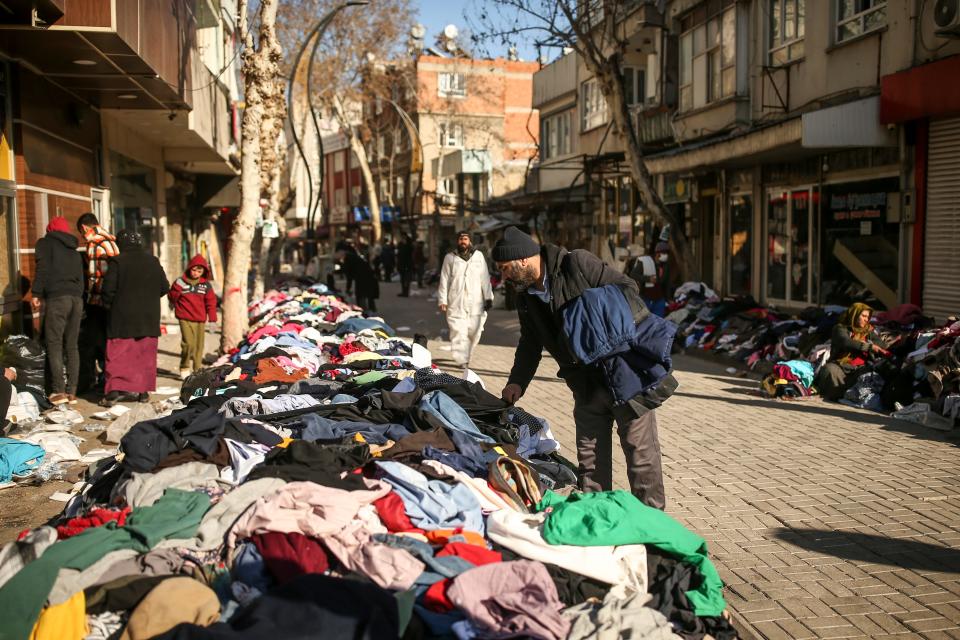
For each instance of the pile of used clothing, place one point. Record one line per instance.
(326, 479)
(917, 380)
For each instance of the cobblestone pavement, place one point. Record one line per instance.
(824, 521)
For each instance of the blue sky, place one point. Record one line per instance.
(436, 14)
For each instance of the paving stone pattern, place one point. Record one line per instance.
(824, 521)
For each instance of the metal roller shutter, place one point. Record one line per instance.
(941, 272)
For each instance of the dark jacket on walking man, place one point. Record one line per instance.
(132, 289)
(546, 278)
(194, 303)
(405, 265)
(58, 286)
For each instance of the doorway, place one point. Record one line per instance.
(789, 231)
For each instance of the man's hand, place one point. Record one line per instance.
(10, 374)
(443, 308)
(35, 303)
(487, 305)
(511, 393)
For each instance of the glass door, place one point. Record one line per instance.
(740, 245)
(789, 223)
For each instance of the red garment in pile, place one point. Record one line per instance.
(288, 555)
(268, 370)
(393, 515)
(95, 518)
(269, 330)
(291, 327)
(435, 598)
(347, 348)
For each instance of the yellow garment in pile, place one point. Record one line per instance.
(64, 621)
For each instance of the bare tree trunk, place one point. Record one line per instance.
(356, 145)
(610, 77)
(258, 71)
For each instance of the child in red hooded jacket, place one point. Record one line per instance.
(194, 302)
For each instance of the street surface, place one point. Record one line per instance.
(824, 521)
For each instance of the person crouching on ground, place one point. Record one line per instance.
(853, 341)
(132, 289)
(194, 303)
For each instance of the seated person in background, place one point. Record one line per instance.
(853, 341)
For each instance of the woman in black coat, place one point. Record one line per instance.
(360, 271)
(132, 289)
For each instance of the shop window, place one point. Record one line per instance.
(451, 85)
(787, 18)
(857, 17)
(593, 106)
(708, 54)
(789, 247)
(741, 244)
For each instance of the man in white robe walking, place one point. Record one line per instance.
(465, 296)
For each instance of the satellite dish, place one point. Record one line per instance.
(450, 31)
(418, 31)
(451, 46)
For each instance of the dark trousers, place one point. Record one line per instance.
(594, 414)
(6, 392)
(93, 346)
(406, 277)
(420, 269)
(368, 303)
(61, 331)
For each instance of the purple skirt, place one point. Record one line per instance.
(131, 365)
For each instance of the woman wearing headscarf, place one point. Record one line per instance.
(852, 342)
(132, 290)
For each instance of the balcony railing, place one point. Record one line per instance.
(653, 127)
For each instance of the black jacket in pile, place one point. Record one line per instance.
(59, 267)
(569, 273)
(132, 289)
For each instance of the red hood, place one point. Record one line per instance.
(195, 261)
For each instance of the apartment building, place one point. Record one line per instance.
(469, 140)
(125, 108)
(761, 121)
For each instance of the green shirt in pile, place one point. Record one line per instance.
(618, 517)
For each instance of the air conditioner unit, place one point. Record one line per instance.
(946, 16)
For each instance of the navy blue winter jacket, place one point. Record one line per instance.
(634, 357)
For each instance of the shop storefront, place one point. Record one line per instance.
(134, 199)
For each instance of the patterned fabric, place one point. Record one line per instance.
(101, 246)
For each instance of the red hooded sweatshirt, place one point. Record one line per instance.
(194, 302)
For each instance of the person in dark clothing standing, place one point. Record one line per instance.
(546, 278)
(132, 289)
(388, 259)
(58, 286)
(101, 247)
(364, 278)
(419, 261)
(405, 265)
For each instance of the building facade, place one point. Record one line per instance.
(99, 118)
(761, 122)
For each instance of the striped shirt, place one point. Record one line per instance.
(101, 246)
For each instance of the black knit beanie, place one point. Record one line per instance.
(514, 245)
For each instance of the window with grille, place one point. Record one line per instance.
(451, 85)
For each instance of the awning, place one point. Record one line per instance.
(853, 124)
(927, 91)
(227, 196)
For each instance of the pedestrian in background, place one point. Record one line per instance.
(388, 257)
(101, 247)
(58, 287)
(419, 262)
(359, 271)
(194, 303)
(546, 279)
(132, 289)
(465, 295)
(405, 265)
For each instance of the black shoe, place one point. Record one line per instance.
(110, 399)
(143, 397)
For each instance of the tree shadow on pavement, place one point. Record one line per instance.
(862, 547)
